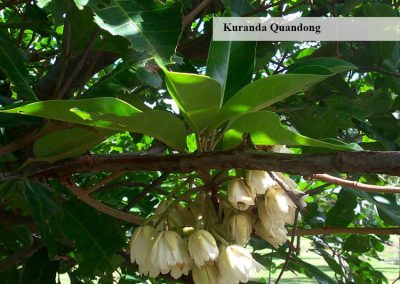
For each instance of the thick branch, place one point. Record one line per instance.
(17, 257)
(372, 162)
(356, 185)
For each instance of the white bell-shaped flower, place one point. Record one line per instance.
(260, 181)
(202, 247)
(206, 274)
(141, 242)
(278, 203)
(236, 264)
(276, 235)
(169, 254)
(240, 228)
(240, 195)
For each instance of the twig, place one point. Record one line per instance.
(80, 65)
(187, 19)
(85, 197)
(367, 69)
(355, 184)
(291, 247)
(287, 190)
(103, 182)
(66, 54)
(145, 191)
(87, 75)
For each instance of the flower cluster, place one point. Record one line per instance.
(189, 235)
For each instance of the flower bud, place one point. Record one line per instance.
(202, 247)
(236, 264)
(207, 274)
(240, 228)
(169, 254)
(240, 195)
(176, 215)
(260, 181)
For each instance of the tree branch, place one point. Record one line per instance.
(187, 19)
(85, 197)
(372, 162)
(356, 185)
(357, 231)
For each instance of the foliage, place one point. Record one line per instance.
(81, 78)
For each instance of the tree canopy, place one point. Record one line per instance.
(123, 120)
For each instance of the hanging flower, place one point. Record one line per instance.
(202, 247)
(169, 254)
(276, 234)
(141, 241)
(240, 228)
(236, 264)
(240, 195)
(260, 181)
(207, 274)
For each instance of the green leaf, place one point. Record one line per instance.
(263, 93)
(45, 211)
(198, 97)
(97, 238)
(53, 146)
(342, 213)
(227, 65)
(334, 65)
(358, 244)
(81, 3)
(39, 269)
(14, 68)
(150, 25)
(9, 275)
(330, 260)
(265, 128)
(387, 205)
(111, 113)
(318, 275)
(43, 3)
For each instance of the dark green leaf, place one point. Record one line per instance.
(231, 63)
(342, 213)
(13, 66)
(46, 212)
(97, 238)
(150, 26)
(334, 65)
(357, 243)
(39, 269)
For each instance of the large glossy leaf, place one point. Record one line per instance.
(97, 238)
(111, 113)
(45, 211)
(263, 93)
(39, 269)
(231, 63)
(150, 26)
(198, 97)
(334, 65)
(13, 66)
(53, 146)
(265, 128)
